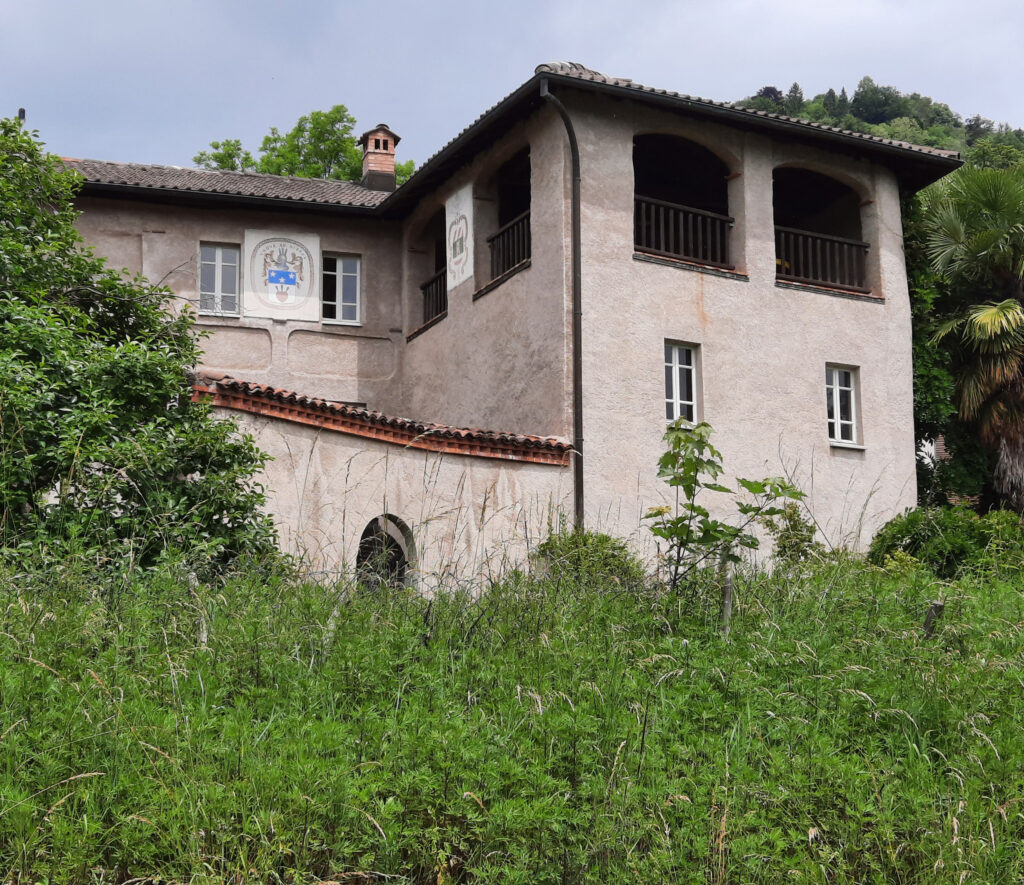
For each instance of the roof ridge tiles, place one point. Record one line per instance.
(210, 382)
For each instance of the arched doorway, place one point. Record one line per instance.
(385, 553)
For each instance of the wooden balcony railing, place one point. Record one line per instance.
(510, 245)
(675, 231)
(804, 257)
(435, 295)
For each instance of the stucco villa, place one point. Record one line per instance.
(446, 370)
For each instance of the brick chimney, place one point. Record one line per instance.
(378, 146)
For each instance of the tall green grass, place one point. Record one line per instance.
(270, 730)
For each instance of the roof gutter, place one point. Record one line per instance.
(577, 308)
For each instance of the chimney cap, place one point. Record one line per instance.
(381, 128)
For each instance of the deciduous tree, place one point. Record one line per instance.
(101, 447)
(321, 144)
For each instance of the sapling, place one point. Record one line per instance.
(692, 465)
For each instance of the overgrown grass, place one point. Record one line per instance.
(267, 730)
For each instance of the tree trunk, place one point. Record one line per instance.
(1008, 477)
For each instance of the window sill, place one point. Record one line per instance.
(828, 290)
(341, 323)
(206, 315)
(839, 444)
(497, 281)
(427, 325)
(684, 264)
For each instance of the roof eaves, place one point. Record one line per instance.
(930, 163)
(191, 195)
(477, 129)
(948, 160)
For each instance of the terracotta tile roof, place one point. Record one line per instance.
(275, 402)
(922, 165)
(223, 183)
(576, 71)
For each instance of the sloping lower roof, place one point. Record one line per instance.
(286, 405)
(221, 183)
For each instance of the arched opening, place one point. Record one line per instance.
(510, 190)
(385, 553)
(432, 266)
(681, 200)
(818, 231)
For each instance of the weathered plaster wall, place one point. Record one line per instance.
(763, 348)
(338, 362)
(469, 516)
(500, 361)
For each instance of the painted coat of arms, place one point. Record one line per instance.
(281, 276)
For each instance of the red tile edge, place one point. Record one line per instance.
(271, 402)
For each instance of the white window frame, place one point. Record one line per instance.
(218, 292)
(844, 426)
(681, 359)
(339, 274)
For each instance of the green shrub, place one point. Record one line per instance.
(792, 533)
(103, 454)
(949, 540)
(592, 558)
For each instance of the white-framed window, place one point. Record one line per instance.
(841, 395)
(340, 288)
(218, 279)
(682, 381)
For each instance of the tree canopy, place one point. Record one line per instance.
(101, 447)
(885, 111)
(321, 144)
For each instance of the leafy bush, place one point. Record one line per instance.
(102, 451)
(949, 540)
(793, 534)
(592, 558)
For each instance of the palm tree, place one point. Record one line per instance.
(975, 229)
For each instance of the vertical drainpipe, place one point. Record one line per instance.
(577, 309)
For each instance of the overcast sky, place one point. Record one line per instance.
(155, 82)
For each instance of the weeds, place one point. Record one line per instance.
(550, 730)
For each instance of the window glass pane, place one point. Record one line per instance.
(349, 289)
(831, 429)
(229, 280)
(846, 379)
(207, 277)
(229, 304)
(669, 391)
(208, 253)
(688, 413)
(349, 313)
(686, 384)
(330, 263)
(829, 372)
(229, 254)
(845, 406)
(668, 353)
(846, 432)
(685, 356)
(330, 310)
(206, 303)
(330, 288)
(669, 411)
(350, 265)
